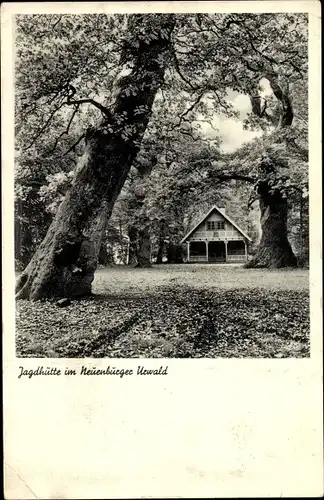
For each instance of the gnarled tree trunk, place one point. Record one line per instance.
(66, 260)
(274, 250)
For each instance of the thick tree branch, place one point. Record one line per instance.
(261, 111)
(178, 70)
(256, 105)
(74, 145)
(189, 134)
(102, 108)
(191, 108)
(56, 23)
(287, 114)
(206, 121)
(69, 102)
(218, 99)
(224, 177)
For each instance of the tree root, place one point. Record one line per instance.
(272, 258)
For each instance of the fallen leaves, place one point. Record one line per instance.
(170, 320)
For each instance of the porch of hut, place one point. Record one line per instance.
(217, 251)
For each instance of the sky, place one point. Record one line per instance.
(230, 130)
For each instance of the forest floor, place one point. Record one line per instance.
(181, 311)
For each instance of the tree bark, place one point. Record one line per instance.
(65, 262)
(132, 253)
(162, 236)
(274, 250)
(138, 229)
(139, 247)
(159, 256)
(106, 256)
(144, 248)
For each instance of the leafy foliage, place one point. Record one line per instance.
(66, 70)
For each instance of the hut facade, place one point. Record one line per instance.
(216, 238)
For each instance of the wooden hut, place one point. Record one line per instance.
(216, 238)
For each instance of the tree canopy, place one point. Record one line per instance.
(70, 69)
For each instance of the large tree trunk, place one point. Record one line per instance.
(66, 260)
(139, 247)
(144, 248)
(163, 232)
(274, 250)
(132, 252)
(106, 255)
(138, 230)
(159, 256)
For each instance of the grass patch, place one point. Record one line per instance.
(182, 311)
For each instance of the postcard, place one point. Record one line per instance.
(162, 250)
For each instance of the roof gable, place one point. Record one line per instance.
(225, 217)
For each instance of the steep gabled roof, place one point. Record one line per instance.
(223, 215)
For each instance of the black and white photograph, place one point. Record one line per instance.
(161, 249)
(161, 185)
